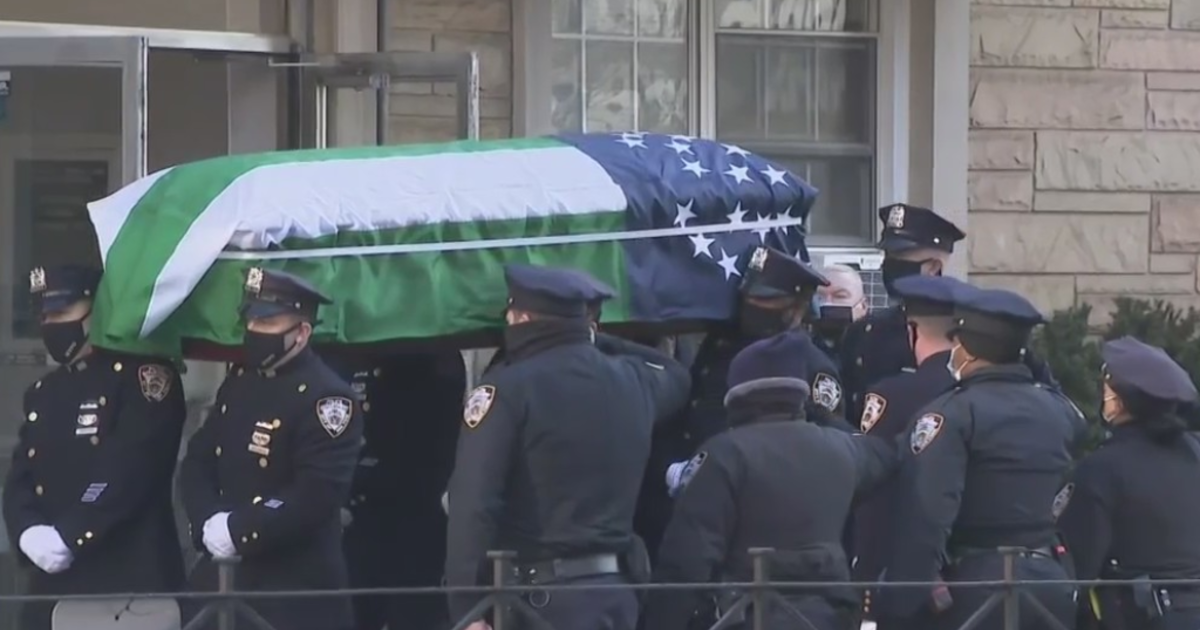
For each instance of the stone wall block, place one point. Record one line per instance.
(489, 16)
(1125, 4)
(1058, 99)
(1034, 37)
(1048, 293)
(1129, 49)
(1120, 161)
(1185, 15)
(1173, 263)
(1025, 3)
(1001, 150)
(1053, 201)
(1058, 243)
(1000, 190)
(1119, 18)
(1173, 111)
(1175, 223)
(1182, 81)
(1146, 284)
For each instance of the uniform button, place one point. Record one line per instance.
(87, 535)
(378, 372)
(245, 539)
(262, 462)
(32, 416)
(224, 408)
(254, 535)
(687, 436)
(241, 371)
(32, 452)
(95, 440)
(303, 388)
(37, 385)
(79, 542)
(117, 367)
(218, 451)
(366, 406)
(103, 401)
(362, 498)
(858, 361)
(868, 328)
(39, 490)
(256, 500)
(276, 423)
(695, 403)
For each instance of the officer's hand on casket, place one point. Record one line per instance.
(217, 539)
(45, 548)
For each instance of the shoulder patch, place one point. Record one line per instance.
(826, 391)
(692, 467)
(334, 413)
(1061, 500)
(479, 403)
(155, 381)
(873, 408)
(925, 431)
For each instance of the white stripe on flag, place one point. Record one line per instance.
(110, 213)
(314, 199)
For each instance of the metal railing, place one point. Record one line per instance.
(502, 599)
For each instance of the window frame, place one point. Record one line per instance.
(533, 38)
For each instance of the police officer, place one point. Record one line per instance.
(837, 306)
(553, 445)
(775, 295)
(889, 405)
(266, 475)
(773, 480)
(987, 459)
(1131, 509)
(914, 241)
(88, 497)
(395, 533)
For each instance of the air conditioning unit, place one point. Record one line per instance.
(866, 261)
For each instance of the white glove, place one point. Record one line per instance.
(43, 545)
(674, 474)
(216, 536)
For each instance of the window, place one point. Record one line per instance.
(794, 80)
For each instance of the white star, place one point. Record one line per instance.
(683, 213)
(737, 215)
(694, 167)
(733, 149)
(680, 147)
(632, 140)
(702, 244)
(738, 173)
(776, 176)
(729, 264)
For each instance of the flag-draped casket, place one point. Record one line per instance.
(410, 241)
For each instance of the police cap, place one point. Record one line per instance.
(57, 288)
(781, 359)
(995, 313)
(1130, 365)
(270, 293)
(555, 292)
(772, 274)
(908, 227)
(934, 296)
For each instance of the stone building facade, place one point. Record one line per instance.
(1085, 149)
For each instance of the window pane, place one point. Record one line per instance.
(850, 16)
(845, 206)
(609, 81)
(662, 88)
(566, 107)
(800, 89)
(608, 17)
(662, 18)
(568, 17)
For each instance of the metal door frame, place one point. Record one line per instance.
(377, 71)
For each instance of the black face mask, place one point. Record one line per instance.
(760, 322)
(264, 350)
(894, 269)
(64, 340)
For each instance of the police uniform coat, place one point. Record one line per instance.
(553, 445)
(278, 451)
(987, 461)
(94, 459)
(889, 408)
(776, 481)
(874, 347)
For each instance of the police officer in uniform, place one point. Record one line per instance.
(1131, 508)
(837, 306)
(889, 405)
(266, 475)
(773, 480)
(986, 462)
(776, 294)
(87, 500)
(553, 445)
(914, 241)
(395, 533)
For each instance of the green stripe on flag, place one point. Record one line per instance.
(151, 234)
